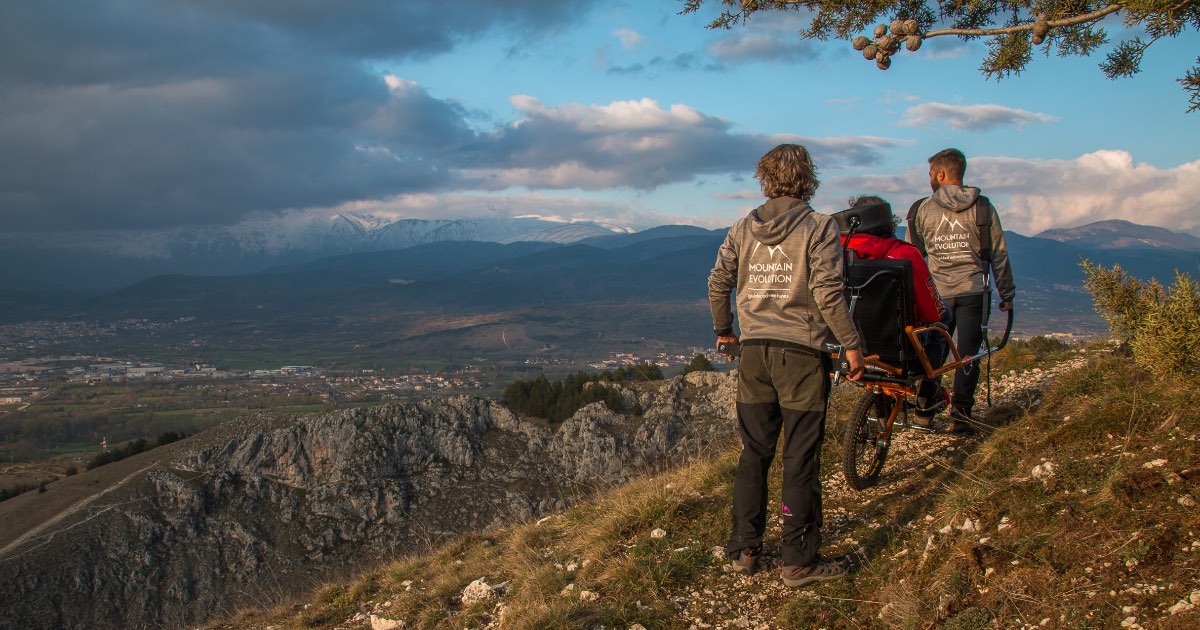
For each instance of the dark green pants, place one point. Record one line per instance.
(780, 389)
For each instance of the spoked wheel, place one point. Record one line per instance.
(863, 450)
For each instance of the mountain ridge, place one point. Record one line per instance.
(1120, 234)
(266, 505)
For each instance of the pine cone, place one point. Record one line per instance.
(884, 64)
(869, 52)
(913, 43)
(897, 27)
(860, 42)
(880, 30)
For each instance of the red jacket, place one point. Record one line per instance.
(929, 306)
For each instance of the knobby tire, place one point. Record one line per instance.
(862, 455)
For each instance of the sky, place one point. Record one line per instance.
(137, 114)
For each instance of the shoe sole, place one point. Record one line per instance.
(794, 583)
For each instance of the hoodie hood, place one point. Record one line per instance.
(773, 221)
(955, 197)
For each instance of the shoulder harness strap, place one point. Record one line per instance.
(983, 221)
(915, 237)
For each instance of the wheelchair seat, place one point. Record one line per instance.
(880, 295)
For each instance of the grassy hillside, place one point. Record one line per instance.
(1077, 511)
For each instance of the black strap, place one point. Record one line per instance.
(983, 221)
(915, 234)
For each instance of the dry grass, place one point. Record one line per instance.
(1103, 538)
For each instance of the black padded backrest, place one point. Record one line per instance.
(881, 294)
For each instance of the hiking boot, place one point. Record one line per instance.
(746, 561)
(923, 421)
(931, 399)
(962, 423)
(820, 570)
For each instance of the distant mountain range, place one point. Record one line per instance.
(1118, 235)
(91, 261)
(656, 277)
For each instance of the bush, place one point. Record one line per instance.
(132, 448)
(1161, 326)
(556, 401)
(1122, 300)
(1168, 341)
(699, 363)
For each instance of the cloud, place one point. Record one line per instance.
(970, 117)
(483, 204)
(1036, 195)
(637, 144)
(775, 47)
(1106, 184)
(157, 114)
(149, 113)
(629, 38)
(677, 63)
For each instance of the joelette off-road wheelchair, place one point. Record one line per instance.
(880, 296)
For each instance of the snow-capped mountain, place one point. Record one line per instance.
(106, 259)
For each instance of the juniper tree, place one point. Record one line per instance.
(1013, 29)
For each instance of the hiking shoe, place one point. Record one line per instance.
(962, 422)
(931, 398)
(746, 561)
(820, 570)
(923, 421)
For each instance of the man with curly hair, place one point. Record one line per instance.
(783, 263)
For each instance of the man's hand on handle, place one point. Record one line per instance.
(855, 359)
(726, 339)
(1005, 305)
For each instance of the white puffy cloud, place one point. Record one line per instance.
(1106, 184)
(970, 117)
(1034, 195)
(629, 38)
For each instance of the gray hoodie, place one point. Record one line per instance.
(786, 263)
(946, 221)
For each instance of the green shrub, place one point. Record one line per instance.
(699, 363)
(1121, 299)
(1168, 341)
(1161, 326)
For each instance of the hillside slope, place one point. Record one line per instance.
(1078, 510)
(265, 507)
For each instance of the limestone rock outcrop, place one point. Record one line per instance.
(267, 507)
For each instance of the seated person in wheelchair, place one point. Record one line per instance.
(875, 239)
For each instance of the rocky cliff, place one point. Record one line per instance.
(266, 507)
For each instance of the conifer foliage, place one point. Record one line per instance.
(699, 363)
(1013, 29)
(556, 401)
(1161, 325)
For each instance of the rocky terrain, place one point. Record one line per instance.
(268, 507)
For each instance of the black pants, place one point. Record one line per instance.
(786, 390)
(967, 312)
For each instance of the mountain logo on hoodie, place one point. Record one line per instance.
(953, 223)
(771, 251)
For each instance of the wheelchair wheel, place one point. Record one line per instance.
(863, 453)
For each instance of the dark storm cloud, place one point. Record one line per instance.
(157, 113)
(385, 28)
(160, 112)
